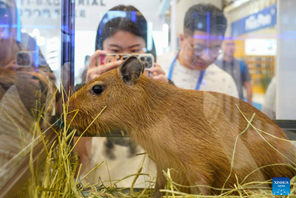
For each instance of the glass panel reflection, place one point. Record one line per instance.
(29, 75)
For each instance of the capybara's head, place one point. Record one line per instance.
(113, 94)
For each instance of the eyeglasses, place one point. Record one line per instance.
(199, 49)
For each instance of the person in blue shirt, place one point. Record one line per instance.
(237, 69)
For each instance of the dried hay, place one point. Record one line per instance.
(57, 178)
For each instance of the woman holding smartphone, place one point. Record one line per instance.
(122, 30)
(122, 35)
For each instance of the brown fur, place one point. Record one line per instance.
(192, 132)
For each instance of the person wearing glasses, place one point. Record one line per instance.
(193, 66)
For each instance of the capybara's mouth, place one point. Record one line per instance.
(75, 126)
(72, 121)
(79, 122)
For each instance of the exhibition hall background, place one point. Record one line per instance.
(264, 30)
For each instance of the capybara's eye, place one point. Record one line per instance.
(98, 89)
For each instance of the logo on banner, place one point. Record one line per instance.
(262, 19)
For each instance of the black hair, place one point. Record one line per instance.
(206, 18)
(126, 18)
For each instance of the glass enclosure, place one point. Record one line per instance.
(30, 59)
(47, 46)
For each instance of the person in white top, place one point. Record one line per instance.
(269, 104)
(193, 66)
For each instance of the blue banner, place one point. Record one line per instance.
(260, 20)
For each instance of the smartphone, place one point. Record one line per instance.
(26, 58)
(29, 59)
(146, 59)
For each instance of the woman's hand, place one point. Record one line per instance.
(158, 73)
(96, 68)
(11, 66)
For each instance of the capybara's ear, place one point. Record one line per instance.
(131, 69)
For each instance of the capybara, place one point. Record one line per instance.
(203, 137)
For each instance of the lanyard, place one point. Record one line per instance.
(201, 75)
